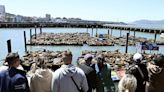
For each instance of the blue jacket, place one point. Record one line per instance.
(13, 80)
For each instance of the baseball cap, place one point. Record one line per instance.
(87, 56)
(137, 57)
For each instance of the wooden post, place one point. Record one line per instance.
(9, 45)
(108, 33)
(96, 32)
(120, 33)
(35, 31)
(134, 35)
(40, 29)
(155, 36)
(92, 31)
(87, 28)
(111, 31)
(25, 41)
(127, 38)
(30, 36)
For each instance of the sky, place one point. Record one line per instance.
(103, 10)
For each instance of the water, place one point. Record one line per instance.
(17, 41)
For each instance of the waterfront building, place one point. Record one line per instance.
(2, 13)
(18, 18)
(10, 17)
(48, 17)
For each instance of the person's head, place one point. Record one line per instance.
(12, 59)
(137, 57)
(88, 58)
(67, 57)
(42, 63)
(100, 60)
(128, 83)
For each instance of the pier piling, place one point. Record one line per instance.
(35, 32)
(96, 32)
(40, 29)
(87, 28)
(25, 41)
(155, 36)
(9, 45)
(30, 36)
(134, 35)
(111, 32)
(127, 38)
(108, 33)
(92, 31)
(120, 33)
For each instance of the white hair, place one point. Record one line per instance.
(128, 83)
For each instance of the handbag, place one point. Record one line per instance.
(80, 90)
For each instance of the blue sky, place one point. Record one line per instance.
(105, 10)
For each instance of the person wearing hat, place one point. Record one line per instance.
(69, 78)
(103, 75)
(139, 70)
(13, 79)
(156, 73)
(89, 72)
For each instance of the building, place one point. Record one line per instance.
(48, 17)
(2, 13)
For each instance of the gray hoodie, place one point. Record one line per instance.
(62, 82)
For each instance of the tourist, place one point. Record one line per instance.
(41, 79)
(139, 71)
(156, 73)
(69, 78)
(103, 74)
(13, 79)
(128, 83)
(89, 72)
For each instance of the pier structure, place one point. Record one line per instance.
(93, 25)
(134, 28)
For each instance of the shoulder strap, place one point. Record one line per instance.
(140, 71)
(75, 83)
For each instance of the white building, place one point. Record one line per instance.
(2, 13)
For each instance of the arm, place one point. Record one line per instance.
(54, 83)
(32, 84)
(84, 85)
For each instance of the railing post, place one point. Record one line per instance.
(9, 45)
(25, 41)
(127, 38)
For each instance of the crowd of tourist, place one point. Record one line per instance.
(141, 75)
